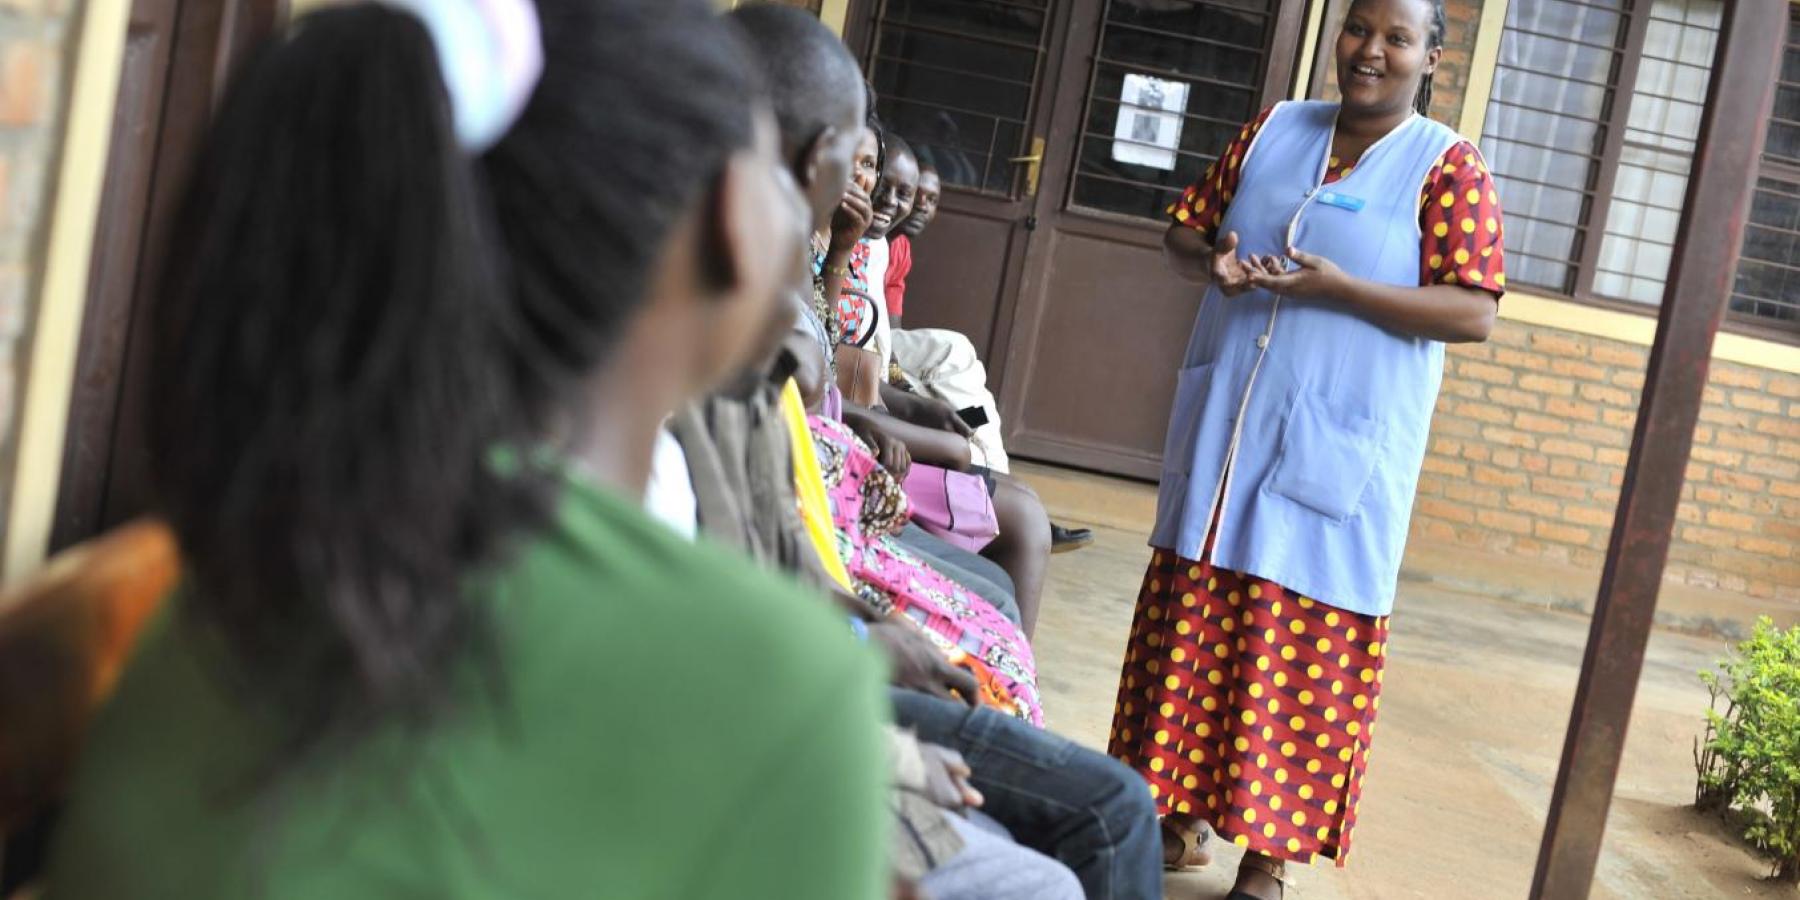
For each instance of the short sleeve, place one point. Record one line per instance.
(1463, 229)
(1202, 205)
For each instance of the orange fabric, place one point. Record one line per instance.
(65, 635)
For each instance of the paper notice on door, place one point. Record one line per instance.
(1149, 127)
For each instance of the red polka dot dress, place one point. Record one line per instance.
(1241, 702)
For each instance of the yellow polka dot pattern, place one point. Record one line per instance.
(1258, 713)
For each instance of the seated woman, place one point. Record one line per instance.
(927, 428)
(407, 378)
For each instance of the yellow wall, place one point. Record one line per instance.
(50, 367)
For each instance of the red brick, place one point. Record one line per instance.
(1575, 368)
(1557, 343)
(1537, 506)
(1484, 412)
(1736, 376)
(1464, 492)
(1471, 351)
(1708, 537)
(1794, 410)
(1563, 534)
(1540, 424)
(1536, 463)
(1589, 515)
(1691, 514)
(1460, 387)
(1703, 434)
(1717, 457)
(1738, 440)
(1736, 521)
(1619, 355)
(1572, 409)
(1779, 426)
(1520, 359)
(1506, 458)
(1785, 489)
(1631, 380)
(1571, 449)
(1543, 384)
(1784, 386)
(1499, 477)
(1515, 399)
(1714, 414)
(1454, 427)
(1732, 478)
(1712, 396)
(1557, 487)
(1696, 471)
(1766, 548)
(1508, 437)
(1444, 510)
(1476, 452)
(1432, 530)
(1508, 334)
(1503, 521)
(1441, 466)
(1481, 371)
(1784, 469)
(1600, 435)
(1611, 396)
(1446, 446)
(1749, 400)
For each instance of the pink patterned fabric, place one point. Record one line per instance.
(869, 509)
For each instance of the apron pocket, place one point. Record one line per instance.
(1327, 458)
(1191, 387)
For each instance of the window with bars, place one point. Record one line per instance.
(1591, 132)
(958, 78)
(1204, 62)
(1768, 277)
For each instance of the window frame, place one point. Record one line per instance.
(1615, 119)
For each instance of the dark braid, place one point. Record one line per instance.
(1433, 41)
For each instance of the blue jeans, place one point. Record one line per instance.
(971, 570)
(1081, 807)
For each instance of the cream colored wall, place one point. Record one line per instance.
(49, 370)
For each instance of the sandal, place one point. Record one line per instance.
(1267, 865)
(1193, 841)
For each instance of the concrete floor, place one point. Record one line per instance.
(1476, 701)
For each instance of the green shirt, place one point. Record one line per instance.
(677, 724)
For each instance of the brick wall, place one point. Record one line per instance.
(1529, 447)
(36, 45)
(1462, 19)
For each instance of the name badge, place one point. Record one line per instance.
(1341, 201)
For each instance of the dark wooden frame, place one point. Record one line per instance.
(156, 131)
(1752, 39)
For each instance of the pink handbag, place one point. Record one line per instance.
(954, 506)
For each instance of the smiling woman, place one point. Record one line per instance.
(1253, 675)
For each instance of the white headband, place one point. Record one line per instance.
(491, 53)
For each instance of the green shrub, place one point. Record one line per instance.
(1749, 757)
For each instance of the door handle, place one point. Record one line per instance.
(1034, 165)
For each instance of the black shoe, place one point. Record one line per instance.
(1062, 540)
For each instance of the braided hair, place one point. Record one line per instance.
(1434, 40)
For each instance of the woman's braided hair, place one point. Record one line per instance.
(1433, 40)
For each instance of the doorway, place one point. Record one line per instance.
(1062, 130)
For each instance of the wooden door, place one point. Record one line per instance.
(1063, 286)
(965, 82)
(177, 56)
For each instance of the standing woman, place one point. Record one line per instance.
(1344, 244)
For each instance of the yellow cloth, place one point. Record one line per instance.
(809, 486)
